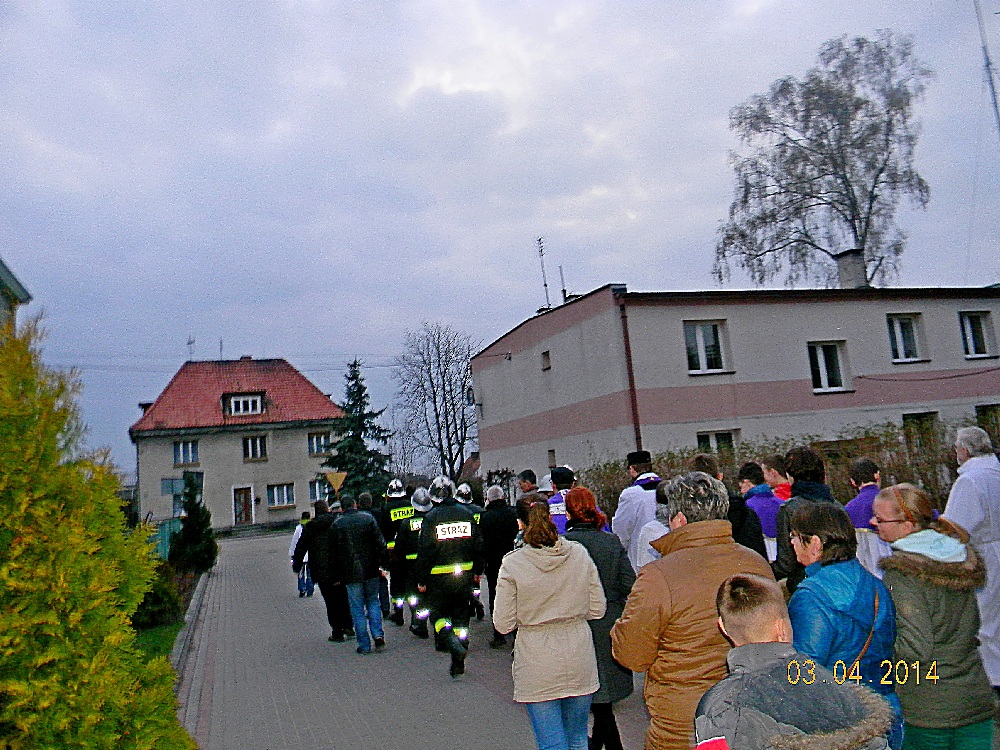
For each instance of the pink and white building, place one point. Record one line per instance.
(612, 371)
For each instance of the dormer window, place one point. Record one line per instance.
(242, 404)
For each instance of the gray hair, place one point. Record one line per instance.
(698, 496)
(975, 440)
(495, 492)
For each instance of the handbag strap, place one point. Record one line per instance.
(871, 634)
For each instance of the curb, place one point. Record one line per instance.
(182, 644)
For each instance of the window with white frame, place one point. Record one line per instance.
(977, 334)
(280, 495)
(904, 337)
(185, 452)
(717, 442)
(319, 489)
(826, 366)
(255, 448)
(246, 403)
(703, 340)
(174, 487)
(319, 443)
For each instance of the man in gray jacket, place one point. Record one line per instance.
(773, 691)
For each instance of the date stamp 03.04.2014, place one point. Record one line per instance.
(892, 673)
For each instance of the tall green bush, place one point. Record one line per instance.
(70, 578)
(194, 547)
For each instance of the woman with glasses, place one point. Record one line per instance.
(842, 616)
(933, 574)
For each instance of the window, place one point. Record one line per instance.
(319, 443)
(280, 495)
(255, 448)
(977, 334)
(546, 361)
(319, 489)
(703, 340)
(552, 458)
(185, 452)
(825, 366)
(175, 487)
(988, 417)
(903, 337)
(717, 442)
(243, 404)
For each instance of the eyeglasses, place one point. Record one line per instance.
(881, 521)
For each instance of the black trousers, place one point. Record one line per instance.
(449, 604)
(605, 727)
(492, 574)
(338, 612)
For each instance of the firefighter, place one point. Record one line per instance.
(449, 563)
(397, 509)
(464, 495)
(407, 541)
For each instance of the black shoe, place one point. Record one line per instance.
(379, 644)
(360, 650)
(301, 594)
(397, 617)
(336, 638)
(457, 665)
(498, 643)
(480, 612)
(420, 631)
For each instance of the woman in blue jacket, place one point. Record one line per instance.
(841, 614)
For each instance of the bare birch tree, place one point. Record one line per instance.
(433, 379)
(830, 157)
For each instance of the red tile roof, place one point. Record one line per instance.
(194, 397)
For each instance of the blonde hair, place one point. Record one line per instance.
(918, 508)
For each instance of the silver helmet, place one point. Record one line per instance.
(464, 493)
(396, 489)
(421, 500)
(442, 488)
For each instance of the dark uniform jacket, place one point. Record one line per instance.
(499, 526)
(358, 549)
(394, 512)
(451, 548)
(408, 537)
(317, 540)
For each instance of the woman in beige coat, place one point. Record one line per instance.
(548, 590)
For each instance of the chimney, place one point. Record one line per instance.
(851, 271)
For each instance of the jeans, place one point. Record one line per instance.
(366, 611)
(560, 724)
(305, 580)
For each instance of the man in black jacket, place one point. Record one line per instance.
(317, 540)
(358, 553)
(499, 526)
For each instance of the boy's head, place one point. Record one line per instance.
(752, 610)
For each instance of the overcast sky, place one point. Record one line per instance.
(309, 179)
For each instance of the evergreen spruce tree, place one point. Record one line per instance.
(194, 547)
(360, 435)
(70, 578)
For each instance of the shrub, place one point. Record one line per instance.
(70, 579)
(162, 604)
(194, 547)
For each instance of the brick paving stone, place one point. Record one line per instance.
(260, 675)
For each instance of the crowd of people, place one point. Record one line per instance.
(771, 617)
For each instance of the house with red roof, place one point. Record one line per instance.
(252, 432)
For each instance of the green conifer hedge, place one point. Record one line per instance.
(70, 578)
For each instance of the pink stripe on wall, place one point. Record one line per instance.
(593, 415)
(696, 403)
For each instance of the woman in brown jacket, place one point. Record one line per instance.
(548, 589)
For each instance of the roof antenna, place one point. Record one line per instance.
(545, 283)
(562, 280)
(220, 348)
(191, 347)
(988, 64)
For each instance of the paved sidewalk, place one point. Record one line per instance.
(260, 675)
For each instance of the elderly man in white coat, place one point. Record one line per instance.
(636, 504)
(974, 504)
